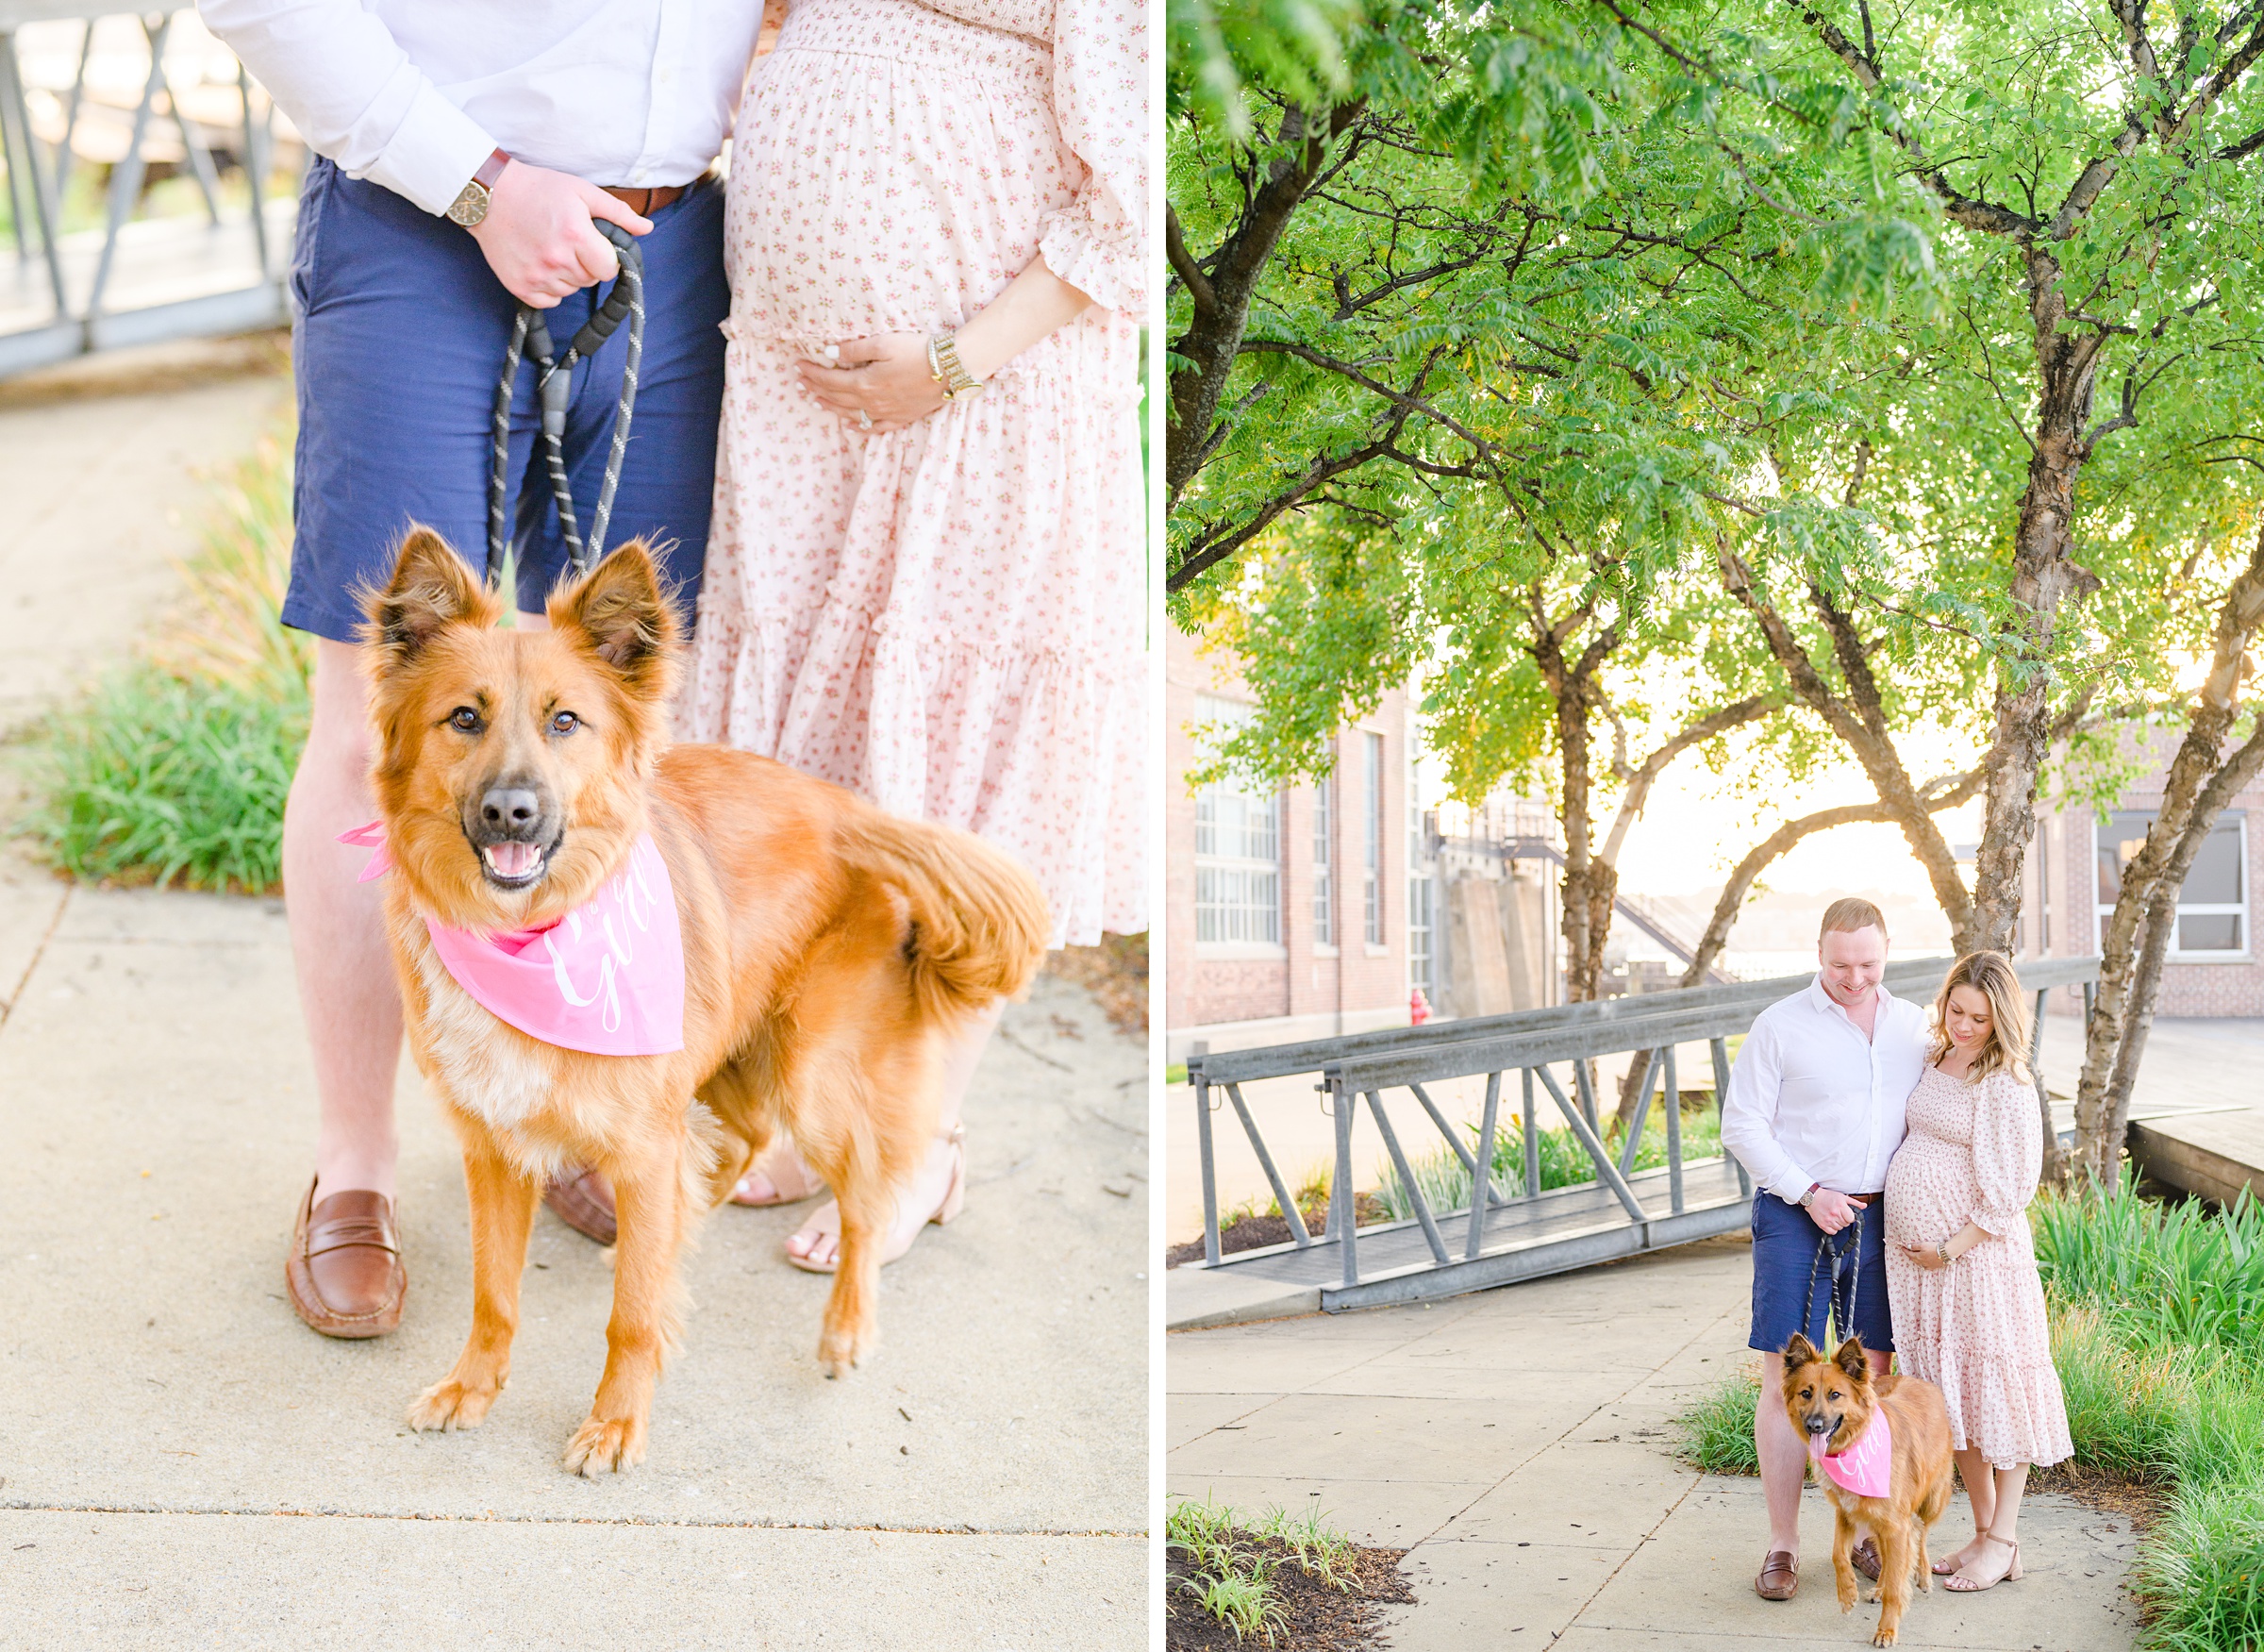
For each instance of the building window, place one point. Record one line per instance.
(1237, 848)
(1325, 860)
(1419, 933)
(2212, 909)
(1372, 866)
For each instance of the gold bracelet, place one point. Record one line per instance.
(944, 367)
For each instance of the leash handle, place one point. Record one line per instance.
(553, 383)
(1839, 1253)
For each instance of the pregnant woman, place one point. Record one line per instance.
(924, 579)
(1969, 1307)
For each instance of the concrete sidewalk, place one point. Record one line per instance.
(1517, 1443)
(182, 1463)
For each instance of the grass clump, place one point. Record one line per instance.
(157, 778)
(1716, 1434)
(1279, 1580)
(174, 768)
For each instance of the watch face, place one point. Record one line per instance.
(471, 208)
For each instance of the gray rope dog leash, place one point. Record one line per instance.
(1852, 1251)
(530, 338)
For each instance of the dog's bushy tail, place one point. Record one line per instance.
(979, 921)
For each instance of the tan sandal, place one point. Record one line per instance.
(791, 1179)
(955, 1200)
(1959, 1583)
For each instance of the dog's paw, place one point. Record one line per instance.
(1847, 1597)
(603, 1443)
(840, 1350)
(1884, 1638)
(1873, 1593)
(452, 1403)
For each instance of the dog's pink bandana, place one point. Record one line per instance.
(1865, 1467)
(608, 978)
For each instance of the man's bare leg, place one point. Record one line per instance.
(1784, 1458)
(347, 997)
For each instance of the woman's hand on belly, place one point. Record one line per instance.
(880, 384)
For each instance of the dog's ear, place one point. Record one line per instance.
(1798, 1352)
(1853, 1360)
(621, 611)
(431, 590)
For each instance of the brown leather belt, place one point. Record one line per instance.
(644, 203)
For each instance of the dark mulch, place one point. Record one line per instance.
(1256, 1232)
(1115, 971)
(2136, 1501)
(1316, 1618)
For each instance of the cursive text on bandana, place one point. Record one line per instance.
(1867, 1466)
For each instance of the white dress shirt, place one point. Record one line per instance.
(1812, 1100)
(414, 94)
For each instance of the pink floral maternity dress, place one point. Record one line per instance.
(1975, 1328)
(949, 620)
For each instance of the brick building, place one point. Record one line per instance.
(1294, 912)
(2075, 868)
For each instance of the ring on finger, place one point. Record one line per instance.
(864, 419)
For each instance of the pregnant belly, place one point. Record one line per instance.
(1930, 1190)
(862, 201)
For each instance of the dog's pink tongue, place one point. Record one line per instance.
(513, 860)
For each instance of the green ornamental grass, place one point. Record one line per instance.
(174, 768)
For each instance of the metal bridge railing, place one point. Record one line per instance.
(130, 103)
(1520, 1231)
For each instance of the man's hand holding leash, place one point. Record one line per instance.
(538, 237)
(1832, 1211)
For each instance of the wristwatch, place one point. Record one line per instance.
(470, 208)
(1808, 1198)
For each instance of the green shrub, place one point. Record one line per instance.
(152, 777)
(2201, 1571)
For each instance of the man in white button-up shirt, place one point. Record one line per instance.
(1814, 1111)
(464, 151)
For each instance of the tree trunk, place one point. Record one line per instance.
(2129, 935)
(2103, 1165)
(2043, 576)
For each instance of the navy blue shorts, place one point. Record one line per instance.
(400, 335)
(1784, 1253)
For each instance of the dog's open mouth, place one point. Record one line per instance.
(514, 865)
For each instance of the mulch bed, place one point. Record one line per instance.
(2136, 1501)
(1257, 1232)
(1115, 971)
(1316, 1618)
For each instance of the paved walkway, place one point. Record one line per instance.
(182, 1463)
(1517, 1441)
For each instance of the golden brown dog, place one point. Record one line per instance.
(1834, 1400)
(829, 950)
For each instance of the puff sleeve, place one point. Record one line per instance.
(2009, 1152)
(1098, 243)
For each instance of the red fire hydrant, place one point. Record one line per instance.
(1419, 1007)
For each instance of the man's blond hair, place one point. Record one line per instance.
(1850, 912)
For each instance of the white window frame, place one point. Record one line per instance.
(1325, 861)
(1422, 903)
(1237, 926)
(2101, 912)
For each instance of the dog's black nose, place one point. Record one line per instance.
(510, 809)
(1820, 1425)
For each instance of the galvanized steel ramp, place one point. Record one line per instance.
(1522, 1230)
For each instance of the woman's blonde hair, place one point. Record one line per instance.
(1990, 975)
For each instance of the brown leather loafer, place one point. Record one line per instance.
(1780, 1576)
(581, 1199)
(1866, 1560)
(344, 1271)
